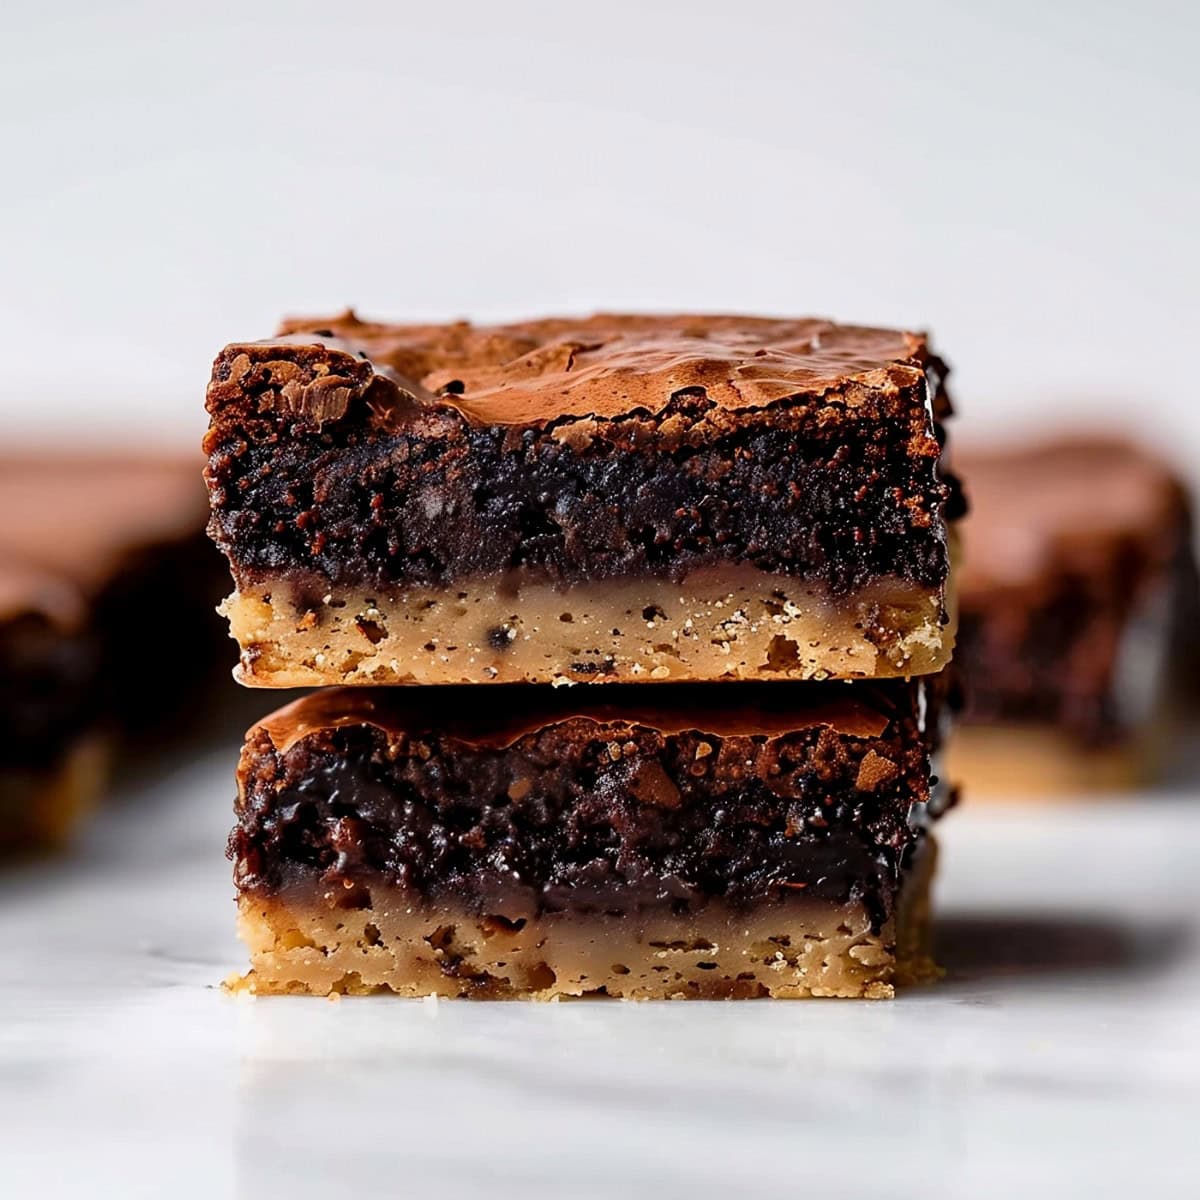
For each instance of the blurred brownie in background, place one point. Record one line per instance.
(128, 532)
(1078, 617)
(52, 754)
(101, 556)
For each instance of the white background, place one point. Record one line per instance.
(1023, 178)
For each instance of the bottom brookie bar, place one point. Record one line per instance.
(541, 843)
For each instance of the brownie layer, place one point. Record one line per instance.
(529, 801)
(1077, 598)
(357, 455)
(790, 948)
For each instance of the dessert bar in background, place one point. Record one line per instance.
(617, 498)
(1079, 617)
(694, 840)
(52, 752)
(107, 630)
(127, 531)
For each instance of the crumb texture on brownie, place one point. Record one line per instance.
(520, 806)
(391, 457)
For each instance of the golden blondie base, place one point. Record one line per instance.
(792, 949)
(716, 625)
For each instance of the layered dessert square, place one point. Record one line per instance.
(126, 533)
(1079, 617)
(689, 841)
(52, 754)
(107, 629)
(616, 498)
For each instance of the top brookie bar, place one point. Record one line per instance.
(617, 498)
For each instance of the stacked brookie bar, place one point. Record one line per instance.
(747, 513)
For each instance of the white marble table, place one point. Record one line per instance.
(1061, 1057)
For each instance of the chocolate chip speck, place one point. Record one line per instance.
(500, 637)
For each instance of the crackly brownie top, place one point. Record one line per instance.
(608, 364)
(561, 801)
(535, 372)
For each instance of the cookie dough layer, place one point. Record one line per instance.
(796, 948)
(716, 625)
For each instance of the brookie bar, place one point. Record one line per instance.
(617, 498)
(1079, 616)
(693, 841)
(125, 532)
(101, 557)
(52, 756)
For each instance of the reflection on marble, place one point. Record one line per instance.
(1060, 1056)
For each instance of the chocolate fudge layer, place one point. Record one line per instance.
(126, 532)
(1078, 603)
(538, 842)
(616, 498)
(51, 758)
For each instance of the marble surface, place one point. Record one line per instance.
(1060, 1056)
